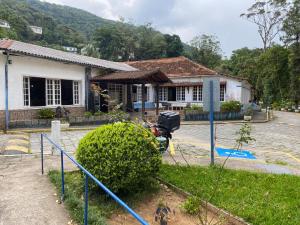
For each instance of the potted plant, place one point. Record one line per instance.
(248, 114)
(62, 114)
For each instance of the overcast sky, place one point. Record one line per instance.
(186, 18)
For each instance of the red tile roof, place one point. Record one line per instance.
(174, 67)
(57, 55)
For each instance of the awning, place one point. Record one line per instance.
(135, 77)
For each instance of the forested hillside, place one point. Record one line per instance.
(68, 26)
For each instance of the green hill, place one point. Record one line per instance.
(68, 26)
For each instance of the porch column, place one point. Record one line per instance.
(157, 99)
(124, 97)
(143, 101)
(129, 97)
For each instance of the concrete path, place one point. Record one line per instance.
(26, 196)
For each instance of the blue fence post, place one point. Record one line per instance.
(211, 120)
(42, 153)
(86, 194)
(62, 176)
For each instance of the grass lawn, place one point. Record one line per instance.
(259, 198)
(101, 206)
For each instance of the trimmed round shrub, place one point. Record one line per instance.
(120, 155)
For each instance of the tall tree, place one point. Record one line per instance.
(291, 27)
(206, 50)
(268, 15)
(174, 46)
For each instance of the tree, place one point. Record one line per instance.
(151, 44)
(291, 27)
(110, 43)
(90, 50)
(268, 15)
(206, 50)
(174, 46)
(273, 74)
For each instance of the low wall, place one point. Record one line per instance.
(202, 116)
(29, 117)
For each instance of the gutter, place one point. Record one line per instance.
(6, 93)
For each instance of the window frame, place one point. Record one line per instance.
(222, 92)
(198, 93)
(76, 92)
(180, 94)
(28, 91)
(163, 94)
(54, 93)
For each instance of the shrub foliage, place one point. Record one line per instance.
(121, 155)
(231, 106)
(46, 113)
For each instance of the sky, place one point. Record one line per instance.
(187, 18)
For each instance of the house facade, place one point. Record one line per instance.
(186, 83)
(33, 77)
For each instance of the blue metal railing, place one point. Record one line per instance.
(87, 176)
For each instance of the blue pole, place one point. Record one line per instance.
(6, 93)
(86, 194)
(42, 153)
(102, 186)
(211, 120)
(62, 176)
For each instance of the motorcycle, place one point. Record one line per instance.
(167, 123)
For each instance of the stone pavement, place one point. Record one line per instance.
(26, 196)
(277, 142)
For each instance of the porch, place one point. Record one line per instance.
(136, 91)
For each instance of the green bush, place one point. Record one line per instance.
(88, 114)
(46, 114)
(121, 155)
(98, 113)
(231, 106)
(194, 108)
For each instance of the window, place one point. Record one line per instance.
(37, 91)
(180, 93)
(53, 90)
(115, 91)
(26, 89)
(222, 92)
(50, 92)
(139, 93)
(163, 94)
(75, 92)
(197, 93)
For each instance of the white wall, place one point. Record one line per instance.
(235, 90)
(2, 80)
(34, 67)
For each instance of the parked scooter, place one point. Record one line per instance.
(166, 124)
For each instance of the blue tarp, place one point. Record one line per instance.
(148, 105)
(235, 153)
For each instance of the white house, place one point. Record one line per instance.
(70, 49)
(36, 29)
(185, 87)
(4, 24)
(34, 77)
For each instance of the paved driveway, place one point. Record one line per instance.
(277, 142)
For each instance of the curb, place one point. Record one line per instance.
(48, 130)
(222, 122)
(232, 219)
